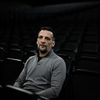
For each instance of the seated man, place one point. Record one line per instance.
(45, 72)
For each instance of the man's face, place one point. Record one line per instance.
(45, 41)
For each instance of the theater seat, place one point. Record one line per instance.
(10, 92)
(10, 70)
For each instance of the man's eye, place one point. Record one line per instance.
(40, 37)
(47, 38)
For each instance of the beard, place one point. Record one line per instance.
(43, 50)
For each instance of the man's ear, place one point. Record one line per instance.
(36, 42)
(53, 43)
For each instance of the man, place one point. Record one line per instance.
(45, 72)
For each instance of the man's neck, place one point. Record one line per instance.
(43, 55)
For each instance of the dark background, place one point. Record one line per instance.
(77, 30)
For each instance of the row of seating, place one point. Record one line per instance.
(77, 40)
(11, 92)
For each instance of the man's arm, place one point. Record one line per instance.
(23, 74)
(57, 80)
(21, 78)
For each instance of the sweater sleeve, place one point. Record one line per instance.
(57, 80)
(22, 76)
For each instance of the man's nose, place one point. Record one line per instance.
(43, 40)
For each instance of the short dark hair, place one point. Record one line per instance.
(48, 28)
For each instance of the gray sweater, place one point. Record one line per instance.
(45, 77)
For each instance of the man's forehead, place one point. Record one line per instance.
(46, 32)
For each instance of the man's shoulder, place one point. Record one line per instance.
(31, 57)
(58, 58)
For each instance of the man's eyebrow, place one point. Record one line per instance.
(40, 36)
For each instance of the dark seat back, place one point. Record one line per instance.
(10, 70)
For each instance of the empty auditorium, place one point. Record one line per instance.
(77, 40)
